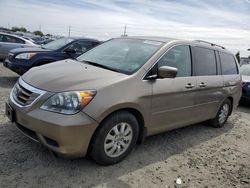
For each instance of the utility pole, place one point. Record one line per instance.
(69, 29)
(125, 30)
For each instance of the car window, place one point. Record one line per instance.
(125, 55)
(245, 70)
(228, 64)
(180, 58)
(80, 46)
(56, 44)
(205, 62)
(11, 39)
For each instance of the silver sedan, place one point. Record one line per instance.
(9, 42)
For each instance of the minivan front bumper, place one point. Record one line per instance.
(67, 135)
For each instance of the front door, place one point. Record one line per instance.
(173, 98)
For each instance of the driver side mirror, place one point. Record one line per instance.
(167, 72)
(70, 51)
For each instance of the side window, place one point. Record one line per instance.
(205, 62)
(95, 44)
(1, 38)
(80, 46)
(12, 39)
(228, 64)
(19, 40)
(180, 58)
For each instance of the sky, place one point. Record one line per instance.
(225, 22)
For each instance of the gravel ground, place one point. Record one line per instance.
(199, 155)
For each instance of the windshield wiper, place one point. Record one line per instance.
(102, 66)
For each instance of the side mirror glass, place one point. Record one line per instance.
(167, 72)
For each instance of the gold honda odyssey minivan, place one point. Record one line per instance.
(120, 92)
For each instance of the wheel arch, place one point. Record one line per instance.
(139, 117)
(232, 103)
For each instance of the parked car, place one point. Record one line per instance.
(21, 60)
(9, 42)
(116, 94)
(245, 72)
(244, 60)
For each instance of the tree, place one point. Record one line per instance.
(14, 29)
(22, 29)
(40, 33)
(237, 55)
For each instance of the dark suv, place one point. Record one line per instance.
(23, 59)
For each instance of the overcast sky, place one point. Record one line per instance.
(226, 22)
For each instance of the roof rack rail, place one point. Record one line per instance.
(212, 44)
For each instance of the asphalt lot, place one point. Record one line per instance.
(200, 155)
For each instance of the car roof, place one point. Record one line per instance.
(81, 38)
(26, 40)
(154, 38)
(168, 40)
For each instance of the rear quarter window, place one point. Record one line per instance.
(228, 64)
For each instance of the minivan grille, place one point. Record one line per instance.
(22, 95)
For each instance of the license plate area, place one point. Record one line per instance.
(10, 113)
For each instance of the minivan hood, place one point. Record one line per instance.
(23, 50)
(69, 75)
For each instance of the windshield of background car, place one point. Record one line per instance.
(56, 44)
(245, 70)
(124, 55)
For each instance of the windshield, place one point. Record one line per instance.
(245, 70)
(56, 44)
(123, 55)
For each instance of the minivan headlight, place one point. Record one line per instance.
(25, 55)
(69, 102)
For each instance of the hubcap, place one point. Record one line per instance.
(223, 113)
(118, 139)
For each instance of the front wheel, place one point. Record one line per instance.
(222, 114)
(115, 138)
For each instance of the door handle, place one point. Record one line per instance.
(189, 86)
(202, 84)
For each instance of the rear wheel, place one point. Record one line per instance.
(222, 114)
(115, 138)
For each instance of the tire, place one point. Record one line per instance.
(222, 114)
(111, 144)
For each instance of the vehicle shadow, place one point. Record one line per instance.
(244, 107)
(22, 157)
(8, 81)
